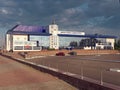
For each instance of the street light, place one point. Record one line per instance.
(81, 70)
(101, 77)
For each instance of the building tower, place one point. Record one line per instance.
(54, 39)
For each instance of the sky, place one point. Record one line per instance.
(90, 16)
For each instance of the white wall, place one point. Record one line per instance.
(71, 32)
(8, 42)
(18, 40)
(87, 48)
(111, 40)
(22, 41)
(54, 39)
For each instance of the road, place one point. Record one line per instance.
(16, 76)
(93, 66)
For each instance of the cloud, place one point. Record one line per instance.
(81, 15)
(4, 11)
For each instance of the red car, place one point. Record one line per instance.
(60, 54)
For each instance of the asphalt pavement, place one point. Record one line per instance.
(97, 67)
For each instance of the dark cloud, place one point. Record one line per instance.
(84, 15)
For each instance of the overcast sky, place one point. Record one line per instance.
(90, 16)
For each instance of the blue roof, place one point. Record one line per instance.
(22, 29)
(88, 35)
(44, 31)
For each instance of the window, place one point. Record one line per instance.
(43, 31)
(18, 47)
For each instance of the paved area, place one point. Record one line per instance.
(93, 66)
(16, 76)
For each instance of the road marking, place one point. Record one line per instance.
(95, 59)
(114, 69)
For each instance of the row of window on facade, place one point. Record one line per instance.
(27, 48)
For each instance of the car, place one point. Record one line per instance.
(60, 54)
(72, 53)
(69, 48)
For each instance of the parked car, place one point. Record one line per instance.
(72, 53)
(69, 48)
(60, 54)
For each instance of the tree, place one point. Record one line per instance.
(90, 42)
(73, 44)
(117, 44)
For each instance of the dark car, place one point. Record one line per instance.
(72, 53)
(69, 48)
(60, 54)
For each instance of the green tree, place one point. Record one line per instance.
(73, 44)
(117, 44)
(90, 42)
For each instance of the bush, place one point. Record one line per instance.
(72, 53)
(51, 49)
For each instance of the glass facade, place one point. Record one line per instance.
(41, 40)
(65, 41)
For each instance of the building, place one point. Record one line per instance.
(35, 38)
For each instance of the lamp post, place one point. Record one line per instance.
(81, 70)
(101, 77)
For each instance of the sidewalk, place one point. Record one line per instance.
(16, 76)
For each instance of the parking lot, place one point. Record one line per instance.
(105, 67)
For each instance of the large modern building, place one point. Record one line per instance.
(35, 38)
